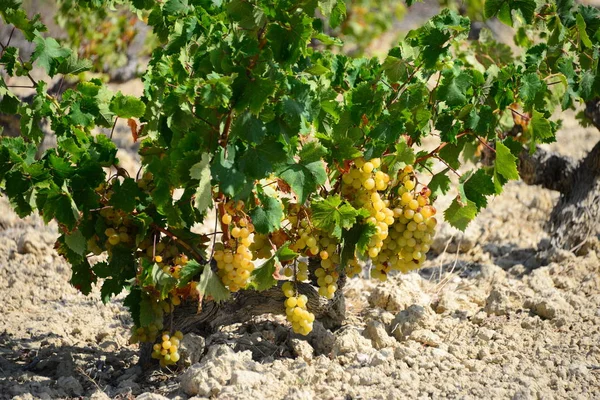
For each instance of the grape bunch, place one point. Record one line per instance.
(167, 350)
(363, 183)
(405, 247)
(234, 257)
(295, 310)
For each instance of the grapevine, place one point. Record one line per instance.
(310, 164)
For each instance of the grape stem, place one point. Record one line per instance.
(224, 226)
(178, 240)
(434, 152)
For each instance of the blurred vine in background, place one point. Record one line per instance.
(367, 20)
(108, 33)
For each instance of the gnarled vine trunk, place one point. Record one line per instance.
(574, 223)
(247, 304)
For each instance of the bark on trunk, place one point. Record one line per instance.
(248, 304)
(574, 223)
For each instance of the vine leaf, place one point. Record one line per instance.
(503, 9)
(459, 215)
(356, 239)
(162, 281)
(506, 163)
(211, 285)
(49, 54)
(477, 186)
(76, 242)
(127, 106)
(201, 172)
(262, 277)
(540, 130)
(125, 195)
(267, 217)
(332, 215)
(439, 184)
(304, 178)
(189, 270)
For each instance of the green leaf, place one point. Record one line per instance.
(133, 301)
(76, 242)
(74, 65)
(125, 195)
(267, 217)
(201, 172)
(262, 277)
(439, 184)
(189, 270)
(332, 215)
(232, 182)
(312, 151)
(356, 240)
(284, 253)
(49, 54)
(146, 311)
(531, 87)
(404, 155)
(249, 128)
(395, 69)
(211, 285)
(454, 86)
(162, 281)
(174, 7)
(503, 9)
(460, 214)
(110, 287)
(303, 178)
(60, 205)
(506, 163)
(127, 106)
(586, 85)
(583, 36)
(477, 186)
(338, 14)
(540, 130)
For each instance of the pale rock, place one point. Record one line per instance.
(128, 386)
(299, 394)
(426, 337)
(151, 396)
(376, 332)
(207, 377)
(485, 334)
(246, 378)
(500, 302)
(301, 348)
(550, 306)
(452, 240)
(191, 348)
(450, 300)
(402, 352)
(351, 341)
(492, 273)
(70, 385)
(540, 279)
(396, 296)
(38, 243)
(99, 395)
(413, 318)
(382, 357)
